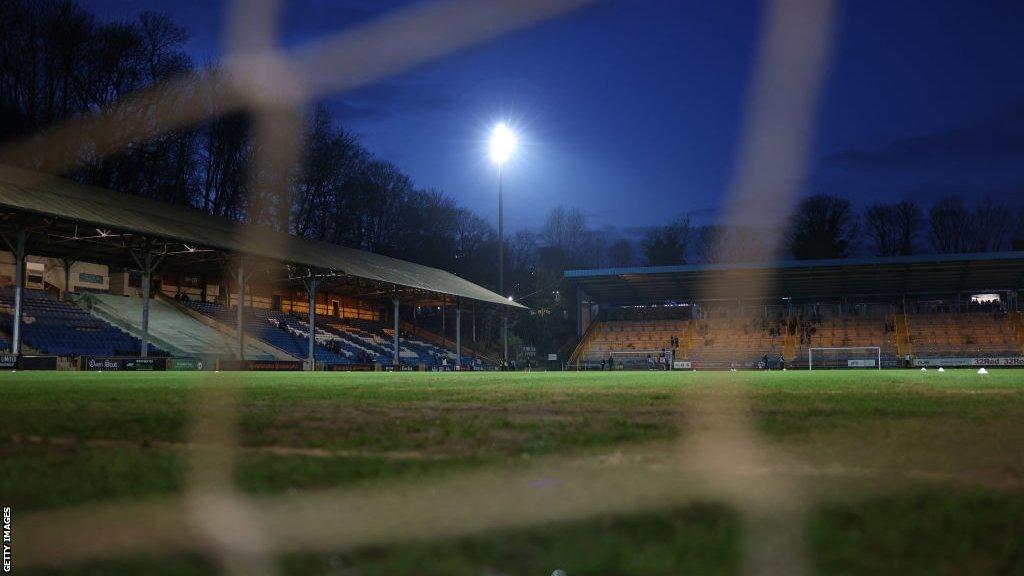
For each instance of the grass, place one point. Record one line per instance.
(925, 474)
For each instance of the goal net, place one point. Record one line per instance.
(845, 357)
(634, 359)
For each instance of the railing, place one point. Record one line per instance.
(790, 342)
(445, 343)
(1017, 323)
(585, 341)
(904, 344)
(686, 342)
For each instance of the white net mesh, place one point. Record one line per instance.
(869, 357)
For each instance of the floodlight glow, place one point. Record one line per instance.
(503, 143)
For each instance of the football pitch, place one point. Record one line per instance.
(891, 472)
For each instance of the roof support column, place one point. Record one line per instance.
(504, 337)
(579, 311)
(240, 300)
(147, 266)
(19, 289)
(311, 289)
(394, 316)
(147, 262)
(68, 263)
(458, 336)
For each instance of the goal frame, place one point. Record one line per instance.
(877, 349)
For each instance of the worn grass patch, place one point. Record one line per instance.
(909, 472)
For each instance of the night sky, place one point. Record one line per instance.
(631, 110)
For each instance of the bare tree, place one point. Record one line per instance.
(991, 226)
(880, 226)
(620, 253)
(566, 240)
(720, 244)
(823, 227)
(1017, 241)
(563, 228)
(892, 228)
(949, 226)
(666, 245)
(909, 222)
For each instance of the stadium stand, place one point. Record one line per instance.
(52, 326)
(373, 338)
(935, 307)
(172, 329)
(965, 334)
(727, 341)
(278, 330)
(141, 245)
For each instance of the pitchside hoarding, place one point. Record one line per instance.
(11, 361)
(983, 361)
(275, 365)
(352, 367)
(188, 364)
(124, 364)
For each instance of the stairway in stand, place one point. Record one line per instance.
(904, 344)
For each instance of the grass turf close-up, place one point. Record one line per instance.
(905, 472)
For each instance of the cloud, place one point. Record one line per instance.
(305, 20)
(998, 137)
(388, 100)
(971, 161)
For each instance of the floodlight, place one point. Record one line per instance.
(503, 143)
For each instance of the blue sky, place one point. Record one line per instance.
(631, 109)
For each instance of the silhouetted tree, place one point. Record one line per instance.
(620, 253)
(893, 227)
(720, 244)
(991, 226)
(949, 226)
(666, 245)
(823, 227)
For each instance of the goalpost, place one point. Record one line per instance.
(633, 359)
(845, 357)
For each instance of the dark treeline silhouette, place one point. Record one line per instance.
(57, 62)
(826, 226)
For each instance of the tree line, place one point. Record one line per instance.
(826, 226)
(57, 61)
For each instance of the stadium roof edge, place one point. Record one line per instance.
(787, 264)
(45, 195)
(930, 274)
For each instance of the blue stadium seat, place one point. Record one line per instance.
(53, 326)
